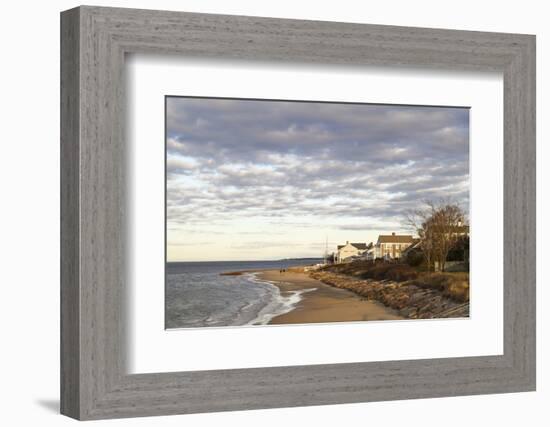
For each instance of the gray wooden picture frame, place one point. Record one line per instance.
(94, 41)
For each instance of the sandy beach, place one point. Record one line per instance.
(325, 303)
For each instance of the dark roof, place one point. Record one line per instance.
(357, 245)
(394, 238)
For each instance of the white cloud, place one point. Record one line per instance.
(235, 167)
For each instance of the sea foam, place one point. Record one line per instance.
(279, 304)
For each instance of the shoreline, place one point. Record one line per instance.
(322, 303)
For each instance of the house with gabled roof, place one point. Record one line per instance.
(349, 250)
(391, 246)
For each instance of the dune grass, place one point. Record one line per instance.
(453, 285)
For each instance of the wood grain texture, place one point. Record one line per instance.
(70, 292)
(94, 196)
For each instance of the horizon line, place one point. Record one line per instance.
(248, 260)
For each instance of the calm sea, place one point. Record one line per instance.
(197, 295)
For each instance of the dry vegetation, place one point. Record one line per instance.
(376, 271)
(414, 293)
(453, 285)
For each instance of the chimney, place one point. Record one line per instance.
(393, 233)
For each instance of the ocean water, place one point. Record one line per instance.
(198, 296)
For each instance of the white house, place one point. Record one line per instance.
(349, 250)
(390, 246)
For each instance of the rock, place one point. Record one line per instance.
(411, 301)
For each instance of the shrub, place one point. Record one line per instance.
(377, 270)
(415, 259)
(453, 285)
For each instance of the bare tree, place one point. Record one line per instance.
(439, 226)
(417, 220)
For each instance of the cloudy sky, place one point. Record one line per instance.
(268, 179)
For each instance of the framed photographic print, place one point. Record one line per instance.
(263, 213)
(255, 186)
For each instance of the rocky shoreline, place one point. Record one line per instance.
(409, 300)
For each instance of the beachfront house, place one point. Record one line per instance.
(391, 246)
(348, 251)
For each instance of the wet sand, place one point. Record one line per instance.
(325, 303)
